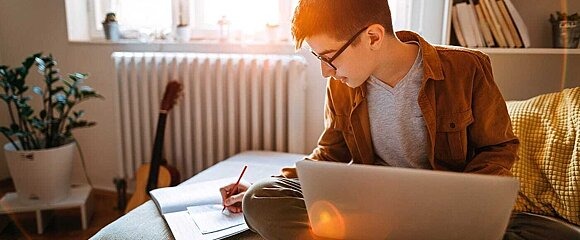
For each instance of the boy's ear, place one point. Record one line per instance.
(376, 34)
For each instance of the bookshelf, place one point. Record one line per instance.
(522, 73)
(535, 14)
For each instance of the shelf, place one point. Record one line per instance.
(529, 50)
(78, 197)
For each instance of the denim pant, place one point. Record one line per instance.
(275, 209)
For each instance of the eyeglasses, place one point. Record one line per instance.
(328, 61)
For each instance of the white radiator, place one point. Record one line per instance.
(231, 103)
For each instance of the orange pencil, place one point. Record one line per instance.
(229, 194)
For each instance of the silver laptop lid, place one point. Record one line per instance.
(377, 202)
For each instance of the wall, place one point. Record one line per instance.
(521, 76)
(34, 25)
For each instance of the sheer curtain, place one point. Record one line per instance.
(401, 13)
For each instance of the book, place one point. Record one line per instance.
(519, 22)
(504, 27)
(484, 25)
(463, 13)
(494, 24)
(475, 26)
(194, 211)
(510, 23)
(457, 27)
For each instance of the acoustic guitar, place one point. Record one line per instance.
(157, 173)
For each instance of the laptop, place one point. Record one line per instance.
(376, 202)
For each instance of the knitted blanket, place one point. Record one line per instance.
(549, 155)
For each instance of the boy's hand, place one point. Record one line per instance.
(234, 202)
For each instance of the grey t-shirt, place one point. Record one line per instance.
(398, 130)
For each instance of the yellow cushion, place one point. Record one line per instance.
(549, 155)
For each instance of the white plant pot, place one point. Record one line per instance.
(41, 176)
(183, 34)
(112, 31)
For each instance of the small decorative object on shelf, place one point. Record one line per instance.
(41, 146)
(111, 27)
(224, 29)
(182, 32)
(272, 32)
(565, 30)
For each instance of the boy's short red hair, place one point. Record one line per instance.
(339, 19)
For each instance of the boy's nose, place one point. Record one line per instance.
(326, 70)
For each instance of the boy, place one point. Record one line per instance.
(391, 99)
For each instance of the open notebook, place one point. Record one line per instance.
(194, 211)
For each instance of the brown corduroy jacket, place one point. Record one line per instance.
(467, 121)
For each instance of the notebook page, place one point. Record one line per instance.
(210, 218)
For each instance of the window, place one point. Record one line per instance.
(147, 17)
(237, 20)
(207, 19)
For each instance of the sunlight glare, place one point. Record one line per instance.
(250, 16)
(326, 220)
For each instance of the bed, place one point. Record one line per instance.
(145, 222)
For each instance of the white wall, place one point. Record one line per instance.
(37, 25)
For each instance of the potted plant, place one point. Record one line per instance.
(41, 145)
(111, 27)
(182, 31)
(565, 30)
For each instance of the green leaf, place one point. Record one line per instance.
(40, 64)
(79, 114)
(22, 90)
(15, 127)
(38, 124)
(6, 131)
(59, 106)
(67, 83)
(27, 112)
(38, 90)
(30, 60)
(5, 97)
(78, 76)
(61, 98)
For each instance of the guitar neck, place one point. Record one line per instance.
(157, 152)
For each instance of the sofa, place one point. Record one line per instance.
(548, 168)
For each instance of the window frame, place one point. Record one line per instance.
(428, 23)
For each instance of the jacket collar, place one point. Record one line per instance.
(431, 62)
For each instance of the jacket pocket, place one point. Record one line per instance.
(451, 139)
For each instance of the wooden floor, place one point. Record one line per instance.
(65, 224)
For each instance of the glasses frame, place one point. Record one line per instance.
(328, 61)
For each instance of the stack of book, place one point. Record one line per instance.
(488, 23)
